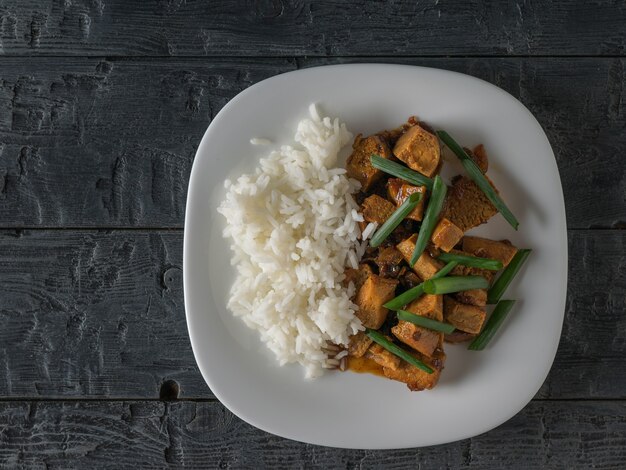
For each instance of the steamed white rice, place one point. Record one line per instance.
(293, 228)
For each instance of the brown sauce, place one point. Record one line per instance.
(364, 365)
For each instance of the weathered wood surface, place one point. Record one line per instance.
(68, 435)
(311, 27)
(100, 315)
(101, 143)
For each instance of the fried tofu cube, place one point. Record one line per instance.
(359, 165)
(479, 155)
(446, 235)
(383, 357)
(417, 379)
(359, 344)
(466, 206)
(398, 190)
(503, 250)
(374, 292)
(376, 209)
(425, 266)
(358, 276)
(458, 336)
(476, 297)
(419, 149)
(421, 339)
(468, 318)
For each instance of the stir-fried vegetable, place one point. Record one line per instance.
(408, 296)
(398, 351)
(425, 322)
(394, 220)
(447, 285)
(501, 284)
(472, 261)
(496, 319)
(430, 218)
(479, 178)
(400, 171)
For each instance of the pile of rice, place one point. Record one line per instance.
(293, 228)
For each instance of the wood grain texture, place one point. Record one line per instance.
(68, 435)
(311, 27)
(100, 143)
(96, 314)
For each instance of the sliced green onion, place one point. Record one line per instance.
(501, 284)
(447, 285)
(472, 261)
(430, 218)
(495, 321)
(400, 171)
(425, 322)
(414, 292)
(394, 219)
(479, 178)
(398, 351)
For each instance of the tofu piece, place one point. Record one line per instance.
(419, 149)
(503, 250)
(376, 209)
(479, 155)
(370, 298)
(425, 266)
(359, 344)
(359, 165)
(476, 297)
(357, 276)
(421, 339)
(417, 379)
(389, 262)
(383, 357)
(466, 206)
(468, 318)
(398, 190)
(446, 235)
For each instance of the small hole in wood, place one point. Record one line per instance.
(169, 390)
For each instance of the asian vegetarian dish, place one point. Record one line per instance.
(368, 268)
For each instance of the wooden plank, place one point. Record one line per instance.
(125, 132)
(308, 27)
(96, 314)
(199, 435)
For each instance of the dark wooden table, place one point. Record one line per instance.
(102, 105)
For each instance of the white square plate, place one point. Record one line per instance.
(478, 390)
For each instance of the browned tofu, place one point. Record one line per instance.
(446, 235)
(398, 190)
(419, 149)
(503, 250)
(374, 292)
(425, 266)
(468, 318)
(476, 297)
(376, 209)
(389, 262)
(466, 206)
(479, 155)
(359, 165)
(359, 344)
(417, 379)
(383, 357)
(358, 276)
(421, 339)
(427, 305)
